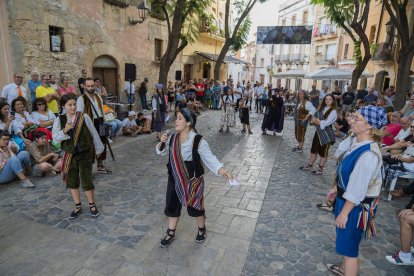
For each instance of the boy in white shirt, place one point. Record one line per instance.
(129, 125)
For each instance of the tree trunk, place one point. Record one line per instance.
(220, 58)
(403, 78)
(357, 72)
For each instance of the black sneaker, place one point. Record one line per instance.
(94, 210)
(201, 235)
(75, 213)
(220, 130)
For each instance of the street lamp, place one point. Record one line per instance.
(143, 11)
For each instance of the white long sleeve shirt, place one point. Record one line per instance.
(330, 120)
(80, 105)
(208, 158)
(361, 175)
(59, 136)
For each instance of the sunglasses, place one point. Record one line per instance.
(40, 104)
(411, 126)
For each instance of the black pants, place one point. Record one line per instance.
(96, 123)
(409, 190)
(172, 202)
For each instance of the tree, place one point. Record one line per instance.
(352, 16)
(238, 36)
(182, 21)
(397, 10)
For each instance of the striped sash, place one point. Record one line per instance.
(189, 191)
(67, 157)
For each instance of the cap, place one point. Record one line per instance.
(375, 116)
(132, 113)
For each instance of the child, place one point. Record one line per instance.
(129, 126)
(80, 141)
(144, 125)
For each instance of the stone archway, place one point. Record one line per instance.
(105, 67)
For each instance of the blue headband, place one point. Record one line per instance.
(188, 115)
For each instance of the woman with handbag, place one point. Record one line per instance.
(81, 142)
(187, 152)
(303, 111)
(324, 136)
(358, 185)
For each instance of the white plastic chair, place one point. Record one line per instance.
(394, 182)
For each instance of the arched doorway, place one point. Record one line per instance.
(382, 80)
(106, 69)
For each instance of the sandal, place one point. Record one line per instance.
(326, 206)
(94, 210)
(78, 210)
(336, 269)
(103, 170)
(318, 171)
(168, 239)
(201, 235)
(308, 167)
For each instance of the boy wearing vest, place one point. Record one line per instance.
(80, 141)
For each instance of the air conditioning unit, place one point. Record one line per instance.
(55, 43)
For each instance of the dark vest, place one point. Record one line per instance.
(85, 141)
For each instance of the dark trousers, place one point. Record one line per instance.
(104, 139)
(143, 101)
(409, 190)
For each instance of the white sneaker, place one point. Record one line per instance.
(110, 141)
(27, 184)
(397, 260)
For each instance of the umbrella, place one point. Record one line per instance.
(334, 73)
(291, 74)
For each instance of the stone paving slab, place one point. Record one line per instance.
(293, 237)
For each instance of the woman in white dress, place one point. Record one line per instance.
(228, 118)
(41, 116)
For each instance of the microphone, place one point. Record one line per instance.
(168, 132)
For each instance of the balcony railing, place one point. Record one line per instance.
(277, 57)
(294, 57)
(285, 58)
(321, 59)
(384, 52)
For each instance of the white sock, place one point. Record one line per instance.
(406, 256)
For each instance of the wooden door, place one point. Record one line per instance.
(108, 77)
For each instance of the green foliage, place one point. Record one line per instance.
(242, 36)
(373, 48)
(193, 10)
(357, 52)
(339, 11)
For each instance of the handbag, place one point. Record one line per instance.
(109, 117)
(102, 129)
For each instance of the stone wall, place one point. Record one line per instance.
(91, 29)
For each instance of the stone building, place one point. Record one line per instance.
(96, 35)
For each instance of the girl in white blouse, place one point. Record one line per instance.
(186, 150)
(328, 115)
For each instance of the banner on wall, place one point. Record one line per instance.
(284, 34)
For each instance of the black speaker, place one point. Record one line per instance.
(130, 72)
(178, 75)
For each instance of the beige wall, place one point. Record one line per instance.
(6, 68)
(91, 28)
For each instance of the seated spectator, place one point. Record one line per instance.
(404, 255)
(407, 190)
(371, 98)
(405, 129)
(391, 130)
(383, 104)
(129, 125)
(66, 88)
(341, 125)
(359, 103)
(112, 121)
(44, 160)
(408, 109)
(143, 123)
(23, 119)
(399, 164)
(41, 116)
(12, 165)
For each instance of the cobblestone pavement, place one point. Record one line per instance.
(268, 224)
(293, 237)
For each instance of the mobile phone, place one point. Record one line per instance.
(12, 113)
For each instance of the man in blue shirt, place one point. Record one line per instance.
(216, 95)
(371, 97)
(33, 83)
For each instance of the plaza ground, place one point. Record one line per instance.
(266, 226)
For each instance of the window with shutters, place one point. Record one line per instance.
(330, 51)
(346, 51)
(372, 33)
(157, 49)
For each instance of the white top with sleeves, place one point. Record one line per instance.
(37, 117)
(59, 136)
(10, 92)
(330, 120)
(344, 146)
(309, 107)
(208, 158)
(13, 127)
(362, 174)
(80, 105)
(19, 121)
(402, 134)
(129, 123)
